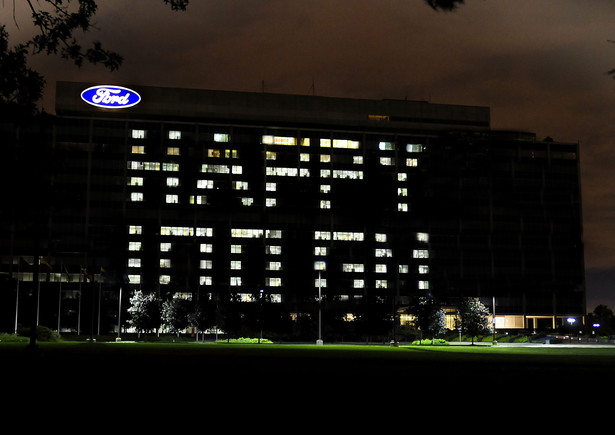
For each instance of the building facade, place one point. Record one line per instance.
(203, 193)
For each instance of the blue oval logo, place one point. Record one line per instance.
(110, 97)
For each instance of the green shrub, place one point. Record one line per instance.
(43, 333)
(12, 338)
(245, 340)
(428, 341)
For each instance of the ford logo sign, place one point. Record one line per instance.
(110, 97)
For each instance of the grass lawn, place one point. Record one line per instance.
(281, 377)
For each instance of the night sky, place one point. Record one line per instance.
(541, 66)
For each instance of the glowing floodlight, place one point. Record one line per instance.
(110, 97)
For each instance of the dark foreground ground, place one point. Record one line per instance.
(359, 382)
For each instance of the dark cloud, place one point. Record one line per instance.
(540, 66)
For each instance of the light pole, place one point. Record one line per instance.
(320, 266)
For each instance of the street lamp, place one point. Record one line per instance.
(320, 266)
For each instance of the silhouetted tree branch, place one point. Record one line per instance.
(58, 24)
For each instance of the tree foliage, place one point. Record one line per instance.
(59, 27)
(430, 317)
(473, 317)
(175, 314)
(144, 311)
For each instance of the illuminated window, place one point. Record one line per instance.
(325, 203)
(382, 283)
(321, 250)
(246, 233)
(325, 158)
(215, 169)
(414, 148)
(380, 237)
(138, 134)
(206, 247)
(247, 201)
(205, 280)
(198, 199)
(172, 199)
(412, 162)
(235, 264)
(386, 161)
(274, 282)
(402, 206)
(134, 246)
(172, 151)
(271, 202)
(170, 167)
(282, 172)
(325, 188)
(274, 265)
(165, 247)
(304, 157)
(357, 160)
(221, 137)
(134, 279)
(273, 250)
(165, 263)
(176, 231)
(164, 279)
(402, 191)
(136, 196)
(422, 237)
(135, 229)
(134, 262)
(235, 249)
(175, 135)
(379, 252)
(346, 174)
(240, 185)
(386, 146)
(205, 264)
(325, 173)
(235, 281)
(423, 269)
(236, 169)
(271, 187)
(322, 235)
(403, 268)
(320, 282)
(339, 143)
(274, 234)
(358, 283)
(138, 149)
(204, 232)
(353, 267)
(420, 253)
(424, 285)
(347, 236)
(135, 181)
(172, 181)
(231, 154)
(205, 184)
(271, 155)
(279, 140)
(381, 268)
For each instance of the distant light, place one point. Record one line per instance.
(571, 320)
(110, 97)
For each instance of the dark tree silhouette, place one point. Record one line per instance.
(58, 24)
(445, 5)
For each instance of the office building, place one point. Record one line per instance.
(198, 193)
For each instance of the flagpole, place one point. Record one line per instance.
(60, 298)
(17, 297)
